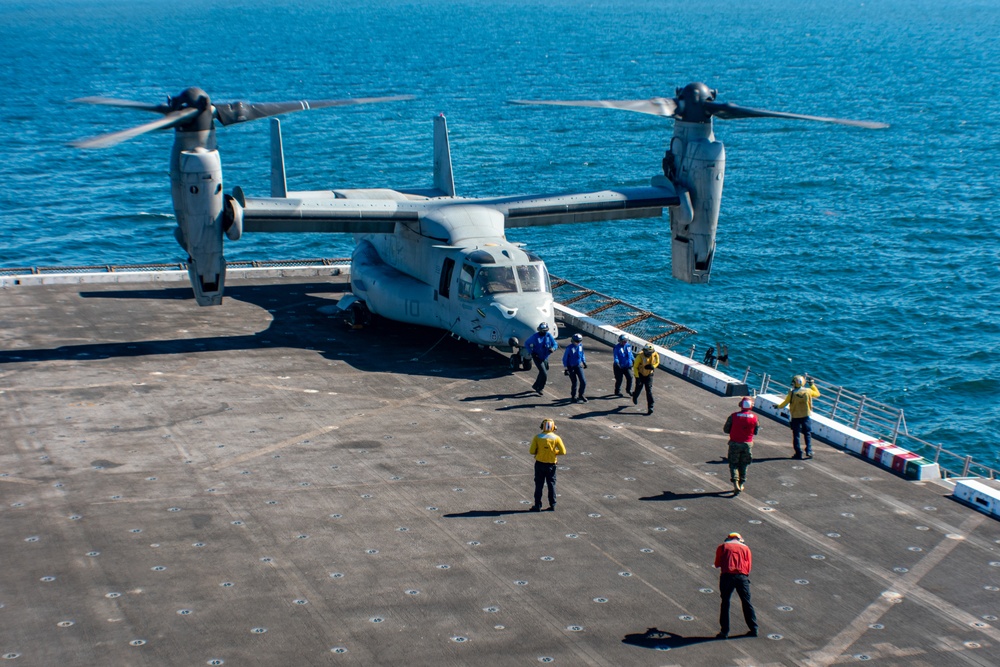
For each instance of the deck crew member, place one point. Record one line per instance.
(574, 361)
(799, 402)
(546, 447)
(741, 426)
(643, 368)
(624, 358)
(541, 344)
(734, 559)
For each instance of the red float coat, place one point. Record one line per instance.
(742, 426)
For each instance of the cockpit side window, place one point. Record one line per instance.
(465, 281)
(494, 280)
(531, 277)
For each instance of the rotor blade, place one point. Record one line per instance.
(127, 104)
(731, 111)
(657, 106)
(172, 119)
(238, 112)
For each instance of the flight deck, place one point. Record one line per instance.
(257, 484)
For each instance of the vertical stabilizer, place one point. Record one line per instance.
(444, 180)
(278, 185)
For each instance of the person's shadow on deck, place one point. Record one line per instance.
(659, 640)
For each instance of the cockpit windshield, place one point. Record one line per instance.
(533, 278)
(494, 280)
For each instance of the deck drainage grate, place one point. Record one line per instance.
(459, 640)
(572, 536)
(137, 642)
(338, 649)
(474, 543)
(93, 554)
(491, 610)
(336, 516)
(547, 558)
(686, 617)
(706, 590)
(258, 631)
(183, 612)
(300, 601)
(33, 538)
(646, 550)
(113, 595)
(336, 575)
(802, 582)
(833, 534)
(600, 600)
(65, 624)
(877, 626)
(575, 628)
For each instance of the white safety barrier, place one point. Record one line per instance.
(981, 494)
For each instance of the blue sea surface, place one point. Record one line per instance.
(868, 258)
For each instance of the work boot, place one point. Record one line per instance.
(797, 456)
(741, 483)
(535, 508)
(736, 487)
(635, 399)
(649, 410)
(583, 399)
(618, 394)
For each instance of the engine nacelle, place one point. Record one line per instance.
(699, 175)
(196, 186)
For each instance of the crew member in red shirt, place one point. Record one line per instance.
(734, 559)
(741, 426)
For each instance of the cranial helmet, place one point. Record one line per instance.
(734, 536)
(622, 338)
(798, 381)
(544, 326)
(647, 348)
(548, 426)
(746, 403)
(577, 338)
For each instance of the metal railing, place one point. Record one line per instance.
(638, 322)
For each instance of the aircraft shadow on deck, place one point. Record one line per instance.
(658, 640)
(724, 461)
(297, 322)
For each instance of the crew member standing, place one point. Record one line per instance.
(574, 361)
(623, 365)
(546, 447)
(643, 368)
(800, 405)
(741, 426)
(734, 559)
(541, 344)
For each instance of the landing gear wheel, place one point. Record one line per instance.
(357, 316)
(526, 364)
(515, 361)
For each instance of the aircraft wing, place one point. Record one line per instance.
(317, 214)
(618, 204)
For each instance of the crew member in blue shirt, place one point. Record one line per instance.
(541, 344)
(624, 358)
(574, 361)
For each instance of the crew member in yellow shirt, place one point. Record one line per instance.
(800, 406)
(546, 447)
(643, 368)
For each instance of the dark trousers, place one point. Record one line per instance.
(626, 375)
(647, 382)
(741, 584)
(802, 425)
(576, 376)
(545, 473)
(543, 373)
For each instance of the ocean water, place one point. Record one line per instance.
(868, 258)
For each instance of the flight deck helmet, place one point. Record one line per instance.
(798, 381)
(622, 338)
(548, 426)
(577, 338)
(734, 536)
(543, 327)
(647, 348)
(746, 403)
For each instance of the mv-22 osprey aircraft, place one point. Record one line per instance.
(430, 257)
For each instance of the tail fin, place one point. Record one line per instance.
(278, 185)
(444, 180)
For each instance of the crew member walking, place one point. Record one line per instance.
(574, 361)
(741, 426)
(546, 447)
(541, 344)
(643, 368)
(799, 402)
(623, 365)
(734, 559)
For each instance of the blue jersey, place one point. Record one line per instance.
(623, 355)
(573, 356)
(541, 345)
